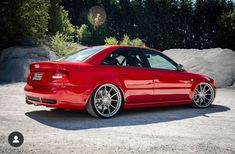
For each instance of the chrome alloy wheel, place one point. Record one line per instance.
(203, 95)
(107, 100)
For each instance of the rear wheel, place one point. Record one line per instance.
(203, 95)
(105, 101)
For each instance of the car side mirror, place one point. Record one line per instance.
(180, 67)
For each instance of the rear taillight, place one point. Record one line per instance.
(60, 76)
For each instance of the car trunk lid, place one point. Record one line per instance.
(41, 72)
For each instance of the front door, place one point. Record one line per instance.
(169, 83)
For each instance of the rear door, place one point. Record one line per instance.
(135, 77)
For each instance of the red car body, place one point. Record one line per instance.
(140, 86)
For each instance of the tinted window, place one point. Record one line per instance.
(157, 60)
(125, 57)
(82, 54)
(117, 57)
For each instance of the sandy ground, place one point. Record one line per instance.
(180, 129)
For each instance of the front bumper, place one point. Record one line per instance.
(64, 97)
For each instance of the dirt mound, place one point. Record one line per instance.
(217, 63)
(14, 61)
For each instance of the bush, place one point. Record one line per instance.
(111, 41)
(126, 40)
(83, 34)
(137, 42)
(60, 45)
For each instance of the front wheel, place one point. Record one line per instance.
(105, 101)
(204, 95)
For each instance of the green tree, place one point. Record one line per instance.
(228, 26)
(33, 18)
(163, 24)
(60, 44)
(59, 20)
(22, 21)
(10, 31)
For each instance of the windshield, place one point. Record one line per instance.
(83, 54)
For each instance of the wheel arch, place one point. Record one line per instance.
(97, 85)
(196, 82)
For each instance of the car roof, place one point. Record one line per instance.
(99, 56)
(125, 46)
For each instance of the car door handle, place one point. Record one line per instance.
(158, 75)
(124, 74)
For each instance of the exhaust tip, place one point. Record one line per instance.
(28, 102)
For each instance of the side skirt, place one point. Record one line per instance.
(155, 104)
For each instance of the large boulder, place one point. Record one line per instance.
(217, 63)
(14, 61)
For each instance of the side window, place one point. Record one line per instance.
(125, 57)
(120, 58)
(134, 59)
(156, 60)
(117, 58)
(108, 60)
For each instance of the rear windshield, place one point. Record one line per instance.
(83, 54)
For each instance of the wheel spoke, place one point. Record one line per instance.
(114, 100)
(110, 90)
(204, 99)
(207, 90)
(112, 106)
(99, 104)
(103, 108)
(204, 88)
(98, 99)
(201, 100)
(108, 109)
(101, 93)
(105, 90)
(200, 88)
(113, 95)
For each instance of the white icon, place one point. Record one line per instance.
(16, 140)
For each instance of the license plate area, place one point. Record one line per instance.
(37, 76)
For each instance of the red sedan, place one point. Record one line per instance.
(104, 79)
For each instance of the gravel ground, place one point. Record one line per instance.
(179, 129)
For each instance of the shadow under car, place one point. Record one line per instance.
(78, 120)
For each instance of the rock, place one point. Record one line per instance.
(217, 63)
(14, 61)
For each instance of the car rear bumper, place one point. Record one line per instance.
(65, 97)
